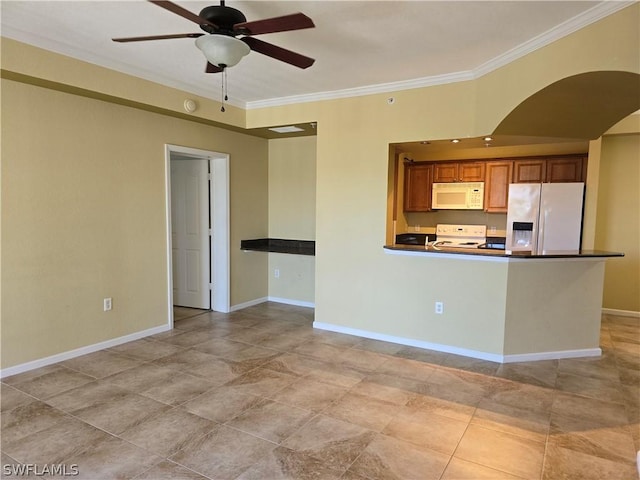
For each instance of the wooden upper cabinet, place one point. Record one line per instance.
(496, 186)
(471, 172)
(565, 169)
(417, 187)
(445, 172)
(529, 171)
(448, 172)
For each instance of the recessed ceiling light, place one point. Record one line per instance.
(287, 129)
(425, 142)
(455, 140)
(487, 139)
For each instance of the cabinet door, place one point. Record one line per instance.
(567, 169)
(496, 186)
(529, 171)
(445, 172)
(471, 172)
(417, 188)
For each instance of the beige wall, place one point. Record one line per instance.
(618, 219)
(59, 259)
(83, 217)
(357, 285)
(292, 215)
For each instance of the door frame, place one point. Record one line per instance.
(219, 210)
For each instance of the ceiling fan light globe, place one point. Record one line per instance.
(222, 50)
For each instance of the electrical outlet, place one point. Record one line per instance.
(107, 304)
(439, 308)
(276, 273)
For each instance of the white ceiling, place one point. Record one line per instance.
(359, 46)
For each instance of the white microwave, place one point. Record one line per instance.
(458, 196)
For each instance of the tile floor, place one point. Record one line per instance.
(258, 394)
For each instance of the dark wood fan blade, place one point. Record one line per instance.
(158, 37)
(295, 21)
(211, 68)
(183, 12)
(278, 53)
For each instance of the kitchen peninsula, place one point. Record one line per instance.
(510, 307)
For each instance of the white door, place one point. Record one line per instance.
(190, 233)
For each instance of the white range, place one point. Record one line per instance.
(460, 236)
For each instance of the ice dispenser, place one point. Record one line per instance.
(522, 237)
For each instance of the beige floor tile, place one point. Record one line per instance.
(167, 433)
(378, 346)
(406, 368)
(101, 364)
(612, 443)
(170, 393)
(541, 374)
(294, 364)
(309, 394)
(523, 422)
(362, 410)
(591, 411)
(501, 451)
(378, 387)
(209, 367)
(223, 453)
(167, 470)
(55, 444)
(29, 418)
(261, 381)
(271, 421)
(337, 375)
(285, 464)
(54, 381)
(179, 389)
(451, 408)
(107, 407)
(392, 459)
(111, 459)
(221, 404)
(458, 469)
(321, 351)
(332, 441)
(426, 429)
(608, 390)
(361, 359)
(145, 349)
(11, 398)
(565, 463)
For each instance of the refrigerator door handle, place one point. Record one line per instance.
(539, 248)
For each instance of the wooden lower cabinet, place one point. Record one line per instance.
(496, 186)
(417, 187)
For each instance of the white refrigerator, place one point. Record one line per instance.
(544, 217)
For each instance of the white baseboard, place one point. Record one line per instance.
(248, 304)
(289, 301)
(59, 357)
(621, 313)
(492, 357)
(258, 301)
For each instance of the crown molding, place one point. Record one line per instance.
(598, 12)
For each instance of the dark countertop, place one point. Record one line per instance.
(280, 245)
(490, 252)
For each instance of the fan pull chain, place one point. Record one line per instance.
(224, 89)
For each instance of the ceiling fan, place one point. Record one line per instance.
(223, 24)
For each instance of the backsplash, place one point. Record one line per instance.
(420, 222)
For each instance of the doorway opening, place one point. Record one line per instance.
(197, 214)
